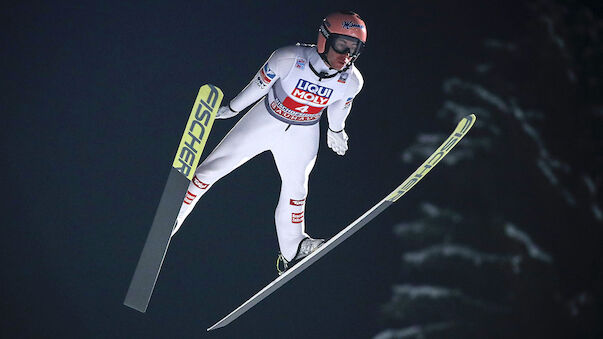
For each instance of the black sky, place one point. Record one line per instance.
(95, 98)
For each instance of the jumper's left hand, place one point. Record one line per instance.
(337, 141)
(225, 112)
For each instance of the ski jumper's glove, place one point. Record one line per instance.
(225, 112)
(337, 141)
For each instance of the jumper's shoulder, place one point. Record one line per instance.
(305, 50)
(283, 59)
(356, 81)
(288, 52)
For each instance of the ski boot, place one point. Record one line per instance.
(306, 246)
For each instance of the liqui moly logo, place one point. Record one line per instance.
(312, 92)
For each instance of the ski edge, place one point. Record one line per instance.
(460, 131)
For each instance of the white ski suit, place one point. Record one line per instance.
(284, 122)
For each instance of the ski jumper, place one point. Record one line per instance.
(285, 122)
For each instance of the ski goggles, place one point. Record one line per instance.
(344, 44)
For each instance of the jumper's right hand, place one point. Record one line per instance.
(225, 112)
(337, 141)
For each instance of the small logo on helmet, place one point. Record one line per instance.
(350, 25)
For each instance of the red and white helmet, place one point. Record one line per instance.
(341, 24)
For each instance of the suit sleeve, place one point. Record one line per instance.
(339, 110)
(277, 66)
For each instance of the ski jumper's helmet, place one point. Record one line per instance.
(344, 24)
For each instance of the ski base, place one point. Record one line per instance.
(187, 157)
(158, 240)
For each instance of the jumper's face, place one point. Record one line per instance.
(336, 60)
(341, 50)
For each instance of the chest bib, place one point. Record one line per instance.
(299, 98)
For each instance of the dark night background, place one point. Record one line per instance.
(503, 239)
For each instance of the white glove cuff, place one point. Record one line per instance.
(232, 110)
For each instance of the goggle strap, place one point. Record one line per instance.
(324, 31)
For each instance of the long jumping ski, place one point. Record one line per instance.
(183, 168)
(461, 130)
